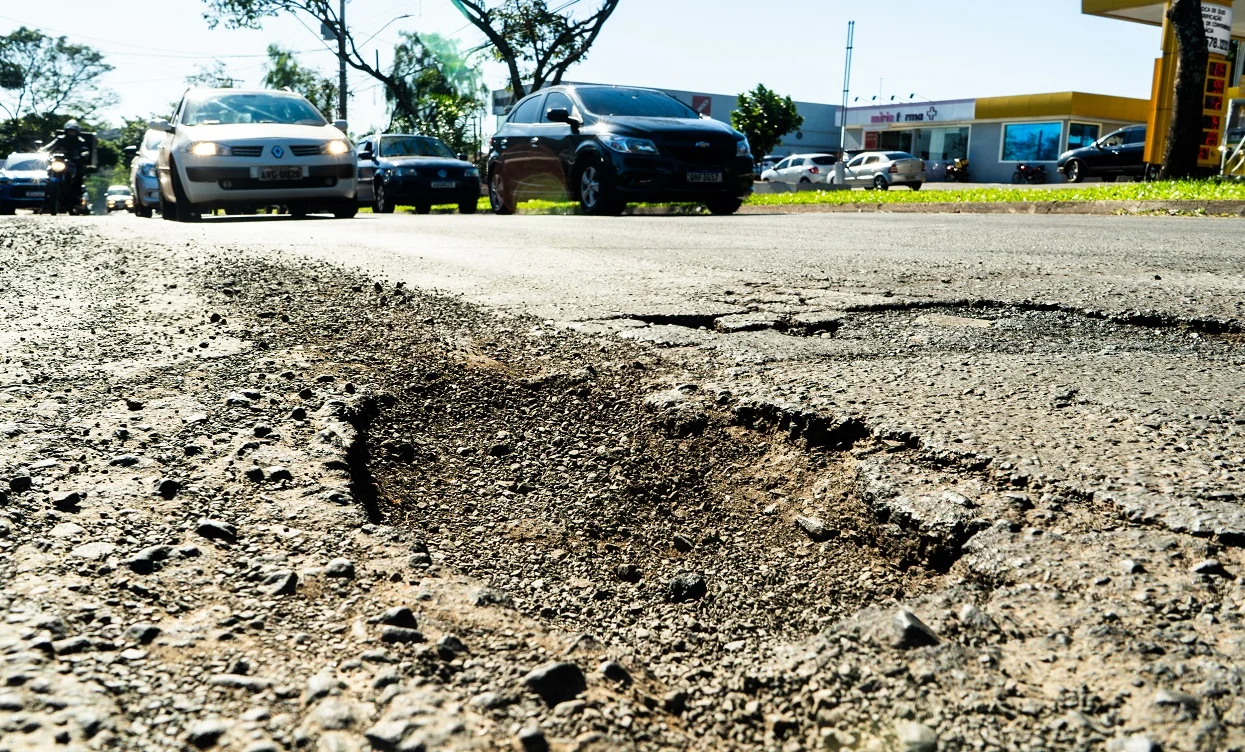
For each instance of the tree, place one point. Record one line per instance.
(214, 76)
(40, 74)
(283, 70)
(1184, 135)
(445, 90)
(764, 117)
(537, 44)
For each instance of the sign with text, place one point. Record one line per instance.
(914, 112)
(703, 104)
(1218, 22)
(1213, 110)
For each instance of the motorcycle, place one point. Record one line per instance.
(1033, 174)
(61, 196)
(957, 171)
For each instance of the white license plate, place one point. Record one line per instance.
(704, 177)
(34, 194)
(444, 184)
(280, 173)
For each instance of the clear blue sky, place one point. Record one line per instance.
(938, 49)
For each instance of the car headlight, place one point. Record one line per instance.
(407, 171)
(58, 167)
(471, 172)
(627, 145)
(147, 170)
(336, 148)
(208, 149)
(743, 148)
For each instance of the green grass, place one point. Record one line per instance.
(1186, 190)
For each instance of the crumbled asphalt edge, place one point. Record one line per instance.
(733, 692)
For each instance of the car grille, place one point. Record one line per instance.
(698, 155)
(305, 150)
(432, 173)
(250, 184)
(247, 151)
(22, 191)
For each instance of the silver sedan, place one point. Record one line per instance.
(882, 169)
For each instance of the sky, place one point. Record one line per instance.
(935, 49)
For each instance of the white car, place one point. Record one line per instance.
(802, 168)
(234, 149)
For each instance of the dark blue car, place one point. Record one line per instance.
(23, 181)
(403, 168)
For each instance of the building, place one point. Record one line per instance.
(995, 133)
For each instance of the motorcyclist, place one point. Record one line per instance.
(71, 143)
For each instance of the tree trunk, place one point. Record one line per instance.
(1184, 138)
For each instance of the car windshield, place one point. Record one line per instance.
(227, 108)
(25, 163)
(895, 155)
(413, 146)
(633, 103)
(115, 189)
(152, 142)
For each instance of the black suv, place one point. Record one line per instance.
(1118, 153)
(607, 145)
(401, 168)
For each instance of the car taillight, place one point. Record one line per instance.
(814, 170)
(894, 169)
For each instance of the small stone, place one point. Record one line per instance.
(449, 647)
(278, 473)
(532, 740)
(915, 737)
(556, 682)
(167, 488)
(674, 701)
(299, 413)
(387, 735)
(400, 635)
(129, 655)
(489, 701)
(142, 633)
(343, 568)
(321, 685)
(204, 734)
(1138, 744)
(261, 430)
(335, 715)
(20, 483)
(569, 708)
(192, 450)
(813, 528)
(124, 460)
(974, 618)
(11, 702)
(1210, 568)
(1128, 566)
(615, 672)
(217, 530)
(682, 544)
(252, 684)
(284, 582)
(398, 616)
(911, 632)
(627, 573)
(133, 404)
(69, 502)
(687, 586)
(1166, 698)
(71, 645)
(254, 474)
(144, 562)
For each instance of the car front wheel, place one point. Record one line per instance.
(915, 186)
(596, 191)
(346, 209)
(1074, 171)
(499, 195)
(724, 206)
(380, 202)
(183, 210)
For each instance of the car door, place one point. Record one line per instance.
(367, 169)
(778, 170)
(1106, 158)
(514, 143)
(794, 171)
(852, 170)
(1132, 153)
(551, 143)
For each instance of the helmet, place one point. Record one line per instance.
(72, 125)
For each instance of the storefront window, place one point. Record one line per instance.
(1031, 142)
(1081, 134)
(942, 144)
(895, 141)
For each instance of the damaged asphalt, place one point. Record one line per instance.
(653, 483)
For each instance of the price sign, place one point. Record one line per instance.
(1211, 123)
(1215, 104)
(1215, 85)
(1217, 70)
(1210, 138)
(1203, 154)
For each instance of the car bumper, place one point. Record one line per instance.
(907, 178)
(18, 195)
(146, 192)
(642, 178)
(408, 189)
(231, 182)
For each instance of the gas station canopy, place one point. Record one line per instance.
(1151, 11)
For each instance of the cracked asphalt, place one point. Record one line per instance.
(812, 482)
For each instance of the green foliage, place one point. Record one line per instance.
(764, 117)
(40, 74)
(1167, 190)
(537, 44)
(283, 70)
(437, 91)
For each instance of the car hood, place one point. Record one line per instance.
(426, 162)
(24, 174)
(1081, 152)
(261, 132)
(649, 126)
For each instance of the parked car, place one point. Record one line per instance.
(1119, 153)
(802, 168)
(608, 145)
(143, 182)
(118, 198)
(400, 168)
(882, 169)
(23, 181)
(235, 149)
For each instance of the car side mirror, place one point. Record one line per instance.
(160, 125)
(462, 157)
(341, 125)
(558, 115)
(130, 151)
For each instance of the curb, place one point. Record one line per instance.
(1098, 208)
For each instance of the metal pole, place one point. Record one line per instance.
(341, 61)
(847, 85)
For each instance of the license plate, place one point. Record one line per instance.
(34, 194)
(280, 173)
(704, 177)
(444, 184)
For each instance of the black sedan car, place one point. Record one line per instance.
(1120, 153)
(399, 168)
(607, 145)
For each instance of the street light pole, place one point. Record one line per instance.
(847, 85)
(341, 61)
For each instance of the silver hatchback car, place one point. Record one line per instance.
(882, 169)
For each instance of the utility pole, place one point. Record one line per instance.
(341, 61)
(847, 85)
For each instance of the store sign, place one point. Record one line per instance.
(919, 112)
(1217, 19)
